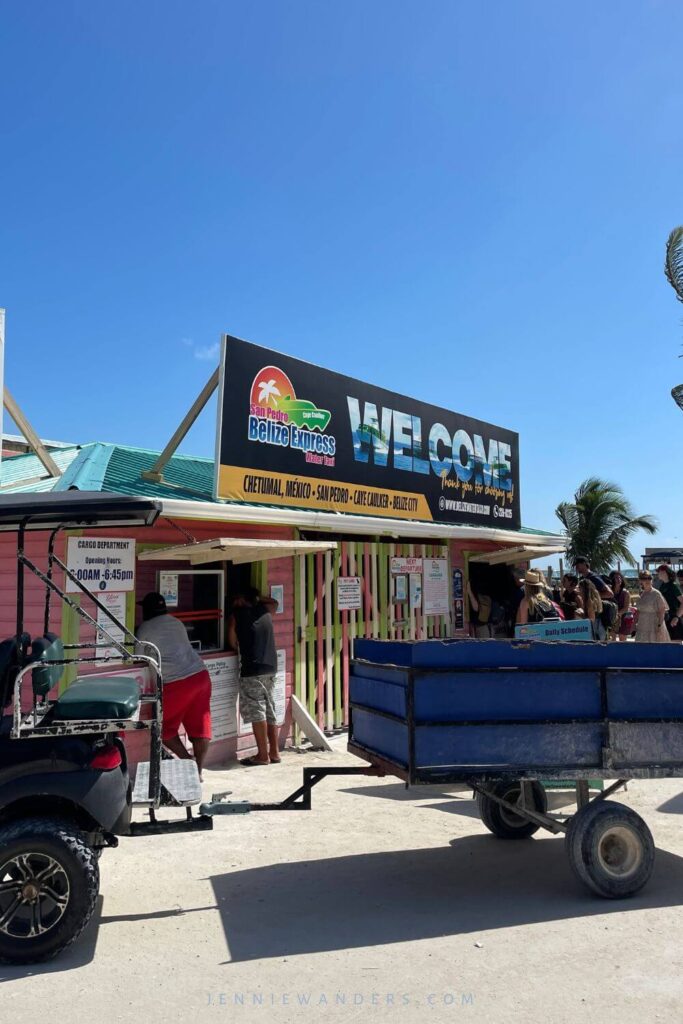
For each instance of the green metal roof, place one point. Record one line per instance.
(110, 467)
(21, 473)
(185, 476)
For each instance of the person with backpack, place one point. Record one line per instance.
(535, 606)
(486, 615)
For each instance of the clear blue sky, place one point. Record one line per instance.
(464, 202)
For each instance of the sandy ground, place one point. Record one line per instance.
(378, 903)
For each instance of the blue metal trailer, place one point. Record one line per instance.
(504, 715)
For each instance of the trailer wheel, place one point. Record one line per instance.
(49, 880)
(505, 823)
(610, 849)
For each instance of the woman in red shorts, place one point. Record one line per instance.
(187, 683)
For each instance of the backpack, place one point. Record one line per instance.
(497, 616)
(609, 613)
(546, 609)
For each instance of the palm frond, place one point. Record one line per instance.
(599, 524)
(673, 263)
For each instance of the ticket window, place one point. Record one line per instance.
(197, 598)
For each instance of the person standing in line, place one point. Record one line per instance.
(671, 592)
(652, 610)
(677, 622)
(516, 595)
(250, 632)
(186, 680)
(480, 613)
(570, 597)
(583, 568)
(592, 607)
(535, 606)
(622, 599)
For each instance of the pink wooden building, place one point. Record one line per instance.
(314, 635)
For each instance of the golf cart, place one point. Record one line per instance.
(65, 791)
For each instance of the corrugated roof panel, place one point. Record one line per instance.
(190, 478)
(18, 470)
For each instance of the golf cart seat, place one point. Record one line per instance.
(117, 697)
(88, 698)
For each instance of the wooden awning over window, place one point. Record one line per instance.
(511, 556)
(236, 550)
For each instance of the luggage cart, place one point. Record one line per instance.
(504, 716)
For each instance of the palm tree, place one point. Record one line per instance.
(673, 265)
(599, 522)
(673, 268)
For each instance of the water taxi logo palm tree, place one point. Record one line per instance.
(272, 389)
(268, 390)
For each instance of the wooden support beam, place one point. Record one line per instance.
(29, 433)
(155, 474)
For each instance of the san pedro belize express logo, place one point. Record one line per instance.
(278, 417)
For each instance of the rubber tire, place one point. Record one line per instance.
(66, 844)
(582, 843)
(497, 819)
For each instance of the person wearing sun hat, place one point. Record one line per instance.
(186, 680)
(535, 605)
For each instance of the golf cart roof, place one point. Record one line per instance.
(75, 509)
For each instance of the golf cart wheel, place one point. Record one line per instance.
(49, 881)
(610, 849)
(503, 822)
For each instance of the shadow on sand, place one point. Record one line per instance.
(475, 884)
(672, 806)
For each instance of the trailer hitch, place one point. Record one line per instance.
(299, 800)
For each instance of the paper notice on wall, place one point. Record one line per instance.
(225, 681)
(416, 590)
(279, 691)
(348, 593)
(168, 588)
(436, 586)
(115, 604)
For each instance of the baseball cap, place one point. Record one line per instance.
(152, 603)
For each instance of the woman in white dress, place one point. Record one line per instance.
(652, 609)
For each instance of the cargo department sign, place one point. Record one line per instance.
(294, 435)
(101, 563)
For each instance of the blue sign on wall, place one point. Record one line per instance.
(555, 629)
